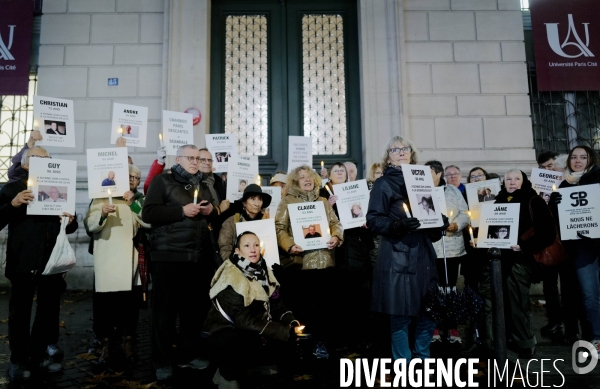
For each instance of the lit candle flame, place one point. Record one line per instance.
(469, 213)
(29, 184)
(258, 180)
(109, 196)
(299, 329)
(195, 196)
(262, 249)
(120, 130)
(553, 187)
(471, 233)
(36, 124)
(406, 210)
(322, 164)
(160, 136)
(451, 213)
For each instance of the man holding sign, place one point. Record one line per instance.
(179, 207)
(30, 244)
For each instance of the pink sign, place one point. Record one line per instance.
(566, 39)
(16, 21)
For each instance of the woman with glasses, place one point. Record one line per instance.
(118, 273)
(518, 265)
(405, 269)
(374, 173)
(582, 169)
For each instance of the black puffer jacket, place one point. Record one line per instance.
(31, 238)
(176, 237)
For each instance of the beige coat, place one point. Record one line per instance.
(313, 259)
(115, 257)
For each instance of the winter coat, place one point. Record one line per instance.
(228, 234)
(405, 268)
(176, 237)
(115, 256)
(31, 238)
(454, 241)
(311, 259)
(247, 304)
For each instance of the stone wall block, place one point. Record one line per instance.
(499, 26)
(508, 132)
(518, 105)
(91, 6)
(458, 133)
(423, 132)
(477, 52)
(92, 110)
(481, 105)
(99, 81)
(509, 5)
(97, 135)
(150, 81)
(415, 26)
(418, 78)
(432, 106)
(51, 55)
(63, 82)
(54, 6)
(140, 5)
(92, 55)
(152, 28)
(474, 5)
(504, 78)
(138, 55)
(63, 29)
(115, 28)
(429, 52)
(455, 78)
(452, 26)
(513, 52)
(426, 5)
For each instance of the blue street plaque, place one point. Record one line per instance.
(113, 81)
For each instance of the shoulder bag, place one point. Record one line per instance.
(551, 255)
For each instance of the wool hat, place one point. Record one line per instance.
(253, 190)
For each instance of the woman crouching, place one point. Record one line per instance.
(246, 308)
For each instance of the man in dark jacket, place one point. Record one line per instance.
(31, 239)
(182, 259)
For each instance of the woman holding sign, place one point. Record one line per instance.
(313, 303)
(518, 265)
(582, 169)
(405, 268)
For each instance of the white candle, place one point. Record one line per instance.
(161, 140)
(406, 210)
(322, 164)
(29, 185)
(36, 125)
(328, 190)
(109, 197)
(471, 233)
(553, 187)
(195, 196)
(120, 130)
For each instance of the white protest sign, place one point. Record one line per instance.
(542, 181)
(108, 169)
(131, 122)
(243, 171)
(498, 225)
(177, 130)
(275, 192)
(478, 193)
(53, 183)
(440, 197)
(579, 212)
(299, 151)
(223, 147)
(310, 226)
(55, 120)
(424, 205)
(352, 203)
(265, 230)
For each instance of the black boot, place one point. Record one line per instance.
(553, 331)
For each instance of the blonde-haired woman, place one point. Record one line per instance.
(405, 268)
(375, 171)
(310, 292)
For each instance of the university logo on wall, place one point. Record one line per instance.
(16, 21)
(566, 38)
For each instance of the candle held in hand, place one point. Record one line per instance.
(195, 196)
(471, 233)
(161, 140)
(109, 196)
(406, 210)
(322, 164)
(29, 185)
(553, 187)
(262, 249)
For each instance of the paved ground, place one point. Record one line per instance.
(81, 370)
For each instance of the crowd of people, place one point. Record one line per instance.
(187, 249)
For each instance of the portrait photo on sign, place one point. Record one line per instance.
(426, 207)
(356, 210)
(131, 131)
(312, 231)
(242, 185)
(52, 194)
(498, 232)
(109, 178)
(486, 194)
(545, 196)
(222, 157)
(55, 127)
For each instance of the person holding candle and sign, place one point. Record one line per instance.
(582, 169)
(28, 250)
(181, 266)
(405, 268)
(536, 231)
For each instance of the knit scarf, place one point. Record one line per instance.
(252, 271)
(193, 179)
(245, 217)
(573, 177)
(397, 167)
(209, 180)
